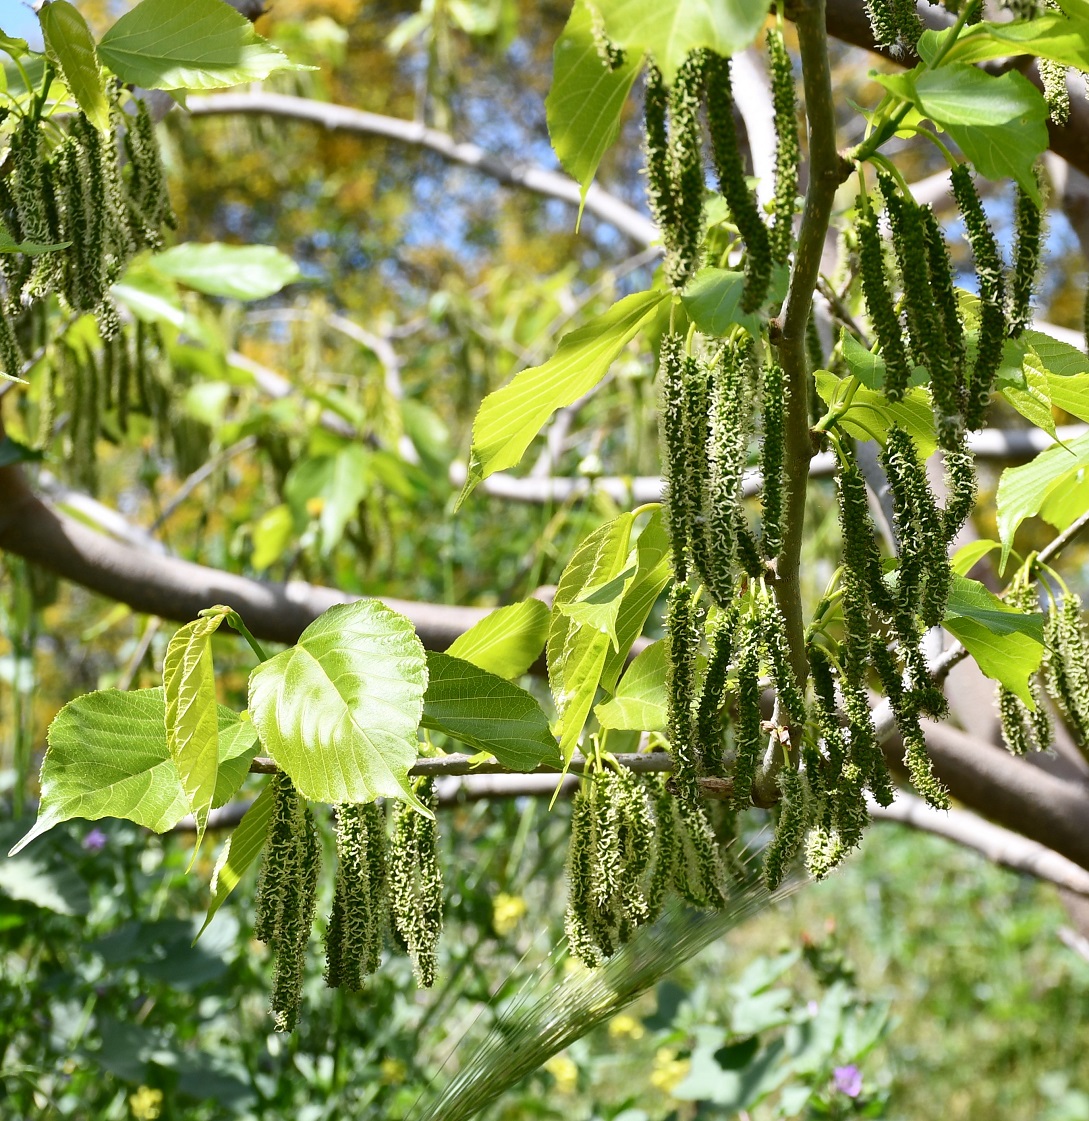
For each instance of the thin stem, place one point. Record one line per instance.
(235, 620)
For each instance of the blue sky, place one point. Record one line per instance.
(18, 19)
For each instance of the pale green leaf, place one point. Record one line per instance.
(641, 698)
(8, 244)
(329, 487)
(239, 272)
(1067, 370)
(107, 756)
(511, 417)
(68, 41)
(339, 710)
(577, 652)
(1061, 38)
(598, 606)
(870, 415)
(670, 29)
(586, 98)
(506, 642)
(713, 301)
(971, 553)
(16, 48)
(272, 533)
(486, 712)
(40, 878)
(239, 851)
(1030, 392)
(197, 45)
(1007, 644)
(192, 725)
(1024, 491)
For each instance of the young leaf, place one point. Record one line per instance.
(1061, 38)
(238, 272)
(192, 727)
(339, 710)
(1029, 391)
(586, 98)
(8, 244)
(487, 713)
(198, 45)
(1007, 644)
(240, 850)
(68, 41)
(669, 29)
(713, 300)
(870, 415)
(641, 697)
(108, 757)
(510, 417)
(506, 642)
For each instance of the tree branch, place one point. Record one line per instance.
(635, 226)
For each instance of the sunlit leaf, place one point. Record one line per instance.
(506, 642)
(239, 272)
(69, 43)
(641, 698)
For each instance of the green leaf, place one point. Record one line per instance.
(510, 417)
(870, 415)
(16, 48)
(1025, 491)
(68, 41)
(1007, 644)
(586, 98)
(486, 712)
(192, 725)
(1030, 392)
(237, 272)
(598, 606)
(272, 533)
(1061, 38)
(998, 121)
(653, 571)
(713, 298)
(338, 482)
(971, 553)
(339, 710)
(577, 652)
(641, 697)
(108, 757)
(41, 879)
(8, 244)
(239, 852)
(1066, 369)
(198, 45)
(506, 642)
(669, 29)
(869, 368)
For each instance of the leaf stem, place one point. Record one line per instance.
(235, 620)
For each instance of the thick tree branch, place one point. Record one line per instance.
(637, 227)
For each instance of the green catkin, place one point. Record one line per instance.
(280, 864)
(96, 252)
(885, 321)
(1012, 715)
(684, 638)
(1056, 91)
(712, 694)
(773, 638)
(293, 935)
(636, 847)
(11, 356)
(961, 483)
(579, 885)
(415, 881)
(1025, 729)
(697, 387)
(827, 720)
(865, 751)
(949, 399)
(909, 26)
(671, 424)
(353, 944)
(610, 54)
(882, 22)
(1066, 664)
(814, 348)
(605, 862)
(862, 573)
(124, 383)
(1026, 260)
(749, 739)
(665, 846)
(686, 167)
(726, 448)
(698, 874)
(790, 829)
(732, 184)
(771, 460)
(660, 195)
(786, 146)
(992, 295)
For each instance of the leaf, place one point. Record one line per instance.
(41, 879)
(192, 725)
(238, 272)
(1061, 38)
(1007, 644)
(871, 415)
(198, 45)
(653, 571)
(1024, 491)
(16, 48)
(1031, 395)
(1067, 371)
(509, 418)
(712, 300)
(239, 852)
(486, 712)
(273, 531)
(506, 642)
(8, 244)
(577, 652)
(329, 487)
(598, 606)
(641, 697)
(339, 710)
(998, 121)
(68, 41)
(669, 29)
(971, 553)
(586, 98)
(108, 757)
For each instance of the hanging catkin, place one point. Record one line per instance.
(790, 829)
(732, 184)
(771, 461)
(1026, 258)
(712, 693)
(1066, 665)
(749, 738)
(883, 317)
(786, 146)
(681, 622)
(671, 424)
(415, 880)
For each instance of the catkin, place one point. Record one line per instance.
(883, 317)
(1066, 665)
(771, 460)
(950, 398)
(786, 146)
(732, 184)
(790, 829)
(1026, 260)
(293, 935)
(681, 687)
(415, 883)
(712, 692)
(698, 874)
(686, 167)
(748, 732)
(671, 413)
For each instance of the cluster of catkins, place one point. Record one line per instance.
(81, 191)
(381, 885)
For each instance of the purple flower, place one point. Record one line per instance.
(848, 1080)
(95, 841)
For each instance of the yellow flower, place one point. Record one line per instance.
(146, 1104)
(564, 1071)
(669, 1071)
(315, 506)
(625, 1027)
(506, 912)
(393, 1071)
